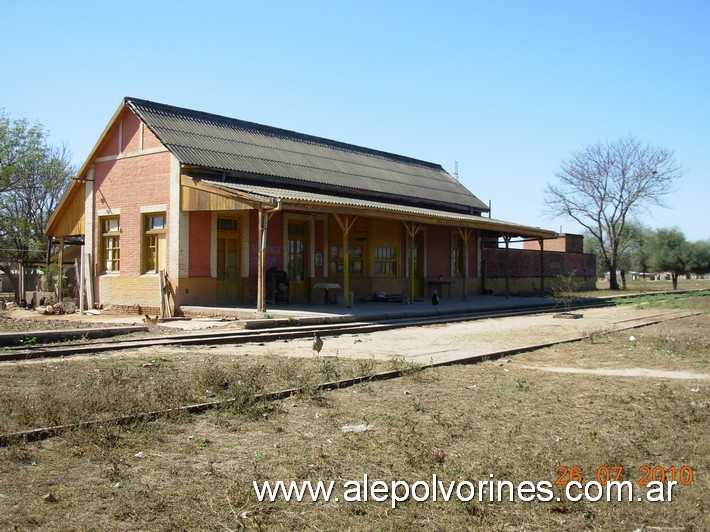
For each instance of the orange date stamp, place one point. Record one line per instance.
(683, 475)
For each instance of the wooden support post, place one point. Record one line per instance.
(465, 235)
(346, 262)
(346, 224)
(161, 284)
(20, 282)
(165, 310)
(542, 267)
(89, 280)
(60, 269)
(411, 268)
(412, 231)
(506, 237)
(261, 271)
(80, 279)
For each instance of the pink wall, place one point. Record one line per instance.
(200, 243)
(438, 251)
(274, 243)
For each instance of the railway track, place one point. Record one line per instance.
(239, 336)
(291, 332)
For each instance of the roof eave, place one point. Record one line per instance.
(475, 222)
(423, 215)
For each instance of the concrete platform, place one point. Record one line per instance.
(306, 314)
(203, 317)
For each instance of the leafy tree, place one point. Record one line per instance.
(641, 253)
(33, 176)
(699, 262)
(604, 185)
(670, 252)
(632, 252)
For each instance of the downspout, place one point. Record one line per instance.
(261, 269)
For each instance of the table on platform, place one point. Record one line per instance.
(328, 286)
(439, 285)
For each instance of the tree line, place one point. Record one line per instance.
(33, 176)
(647, 250)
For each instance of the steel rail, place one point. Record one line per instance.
(240, 336)
(49, 432)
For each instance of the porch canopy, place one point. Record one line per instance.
(268, 199)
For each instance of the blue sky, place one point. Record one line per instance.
(506, 88)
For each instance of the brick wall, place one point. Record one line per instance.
(124, 186)
(570, 243)
(198, 291)
(526, 263)
(126, 180)
(125, 290)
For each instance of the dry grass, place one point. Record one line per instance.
(460, 423)
(66, 391)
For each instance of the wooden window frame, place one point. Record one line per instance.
(336, 263)
(385, 261)
(152, 236)
(110, 244)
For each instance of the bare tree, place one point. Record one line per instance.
(603, 185)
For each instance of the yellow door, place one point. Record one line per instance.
(228, 283)
(297, 258)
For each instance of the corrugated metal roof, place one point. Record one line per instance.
(231, 145)
(295, 196)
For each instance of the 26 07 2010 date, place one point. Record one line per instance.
(684, 474)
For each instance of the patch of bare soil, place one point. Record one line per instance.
(21, 320)
(498, 420)
(31, 323)
(626, 372)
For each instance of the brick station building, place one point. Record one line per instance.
(231, 213)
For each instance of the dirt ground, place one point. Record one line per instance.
(518, 419)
